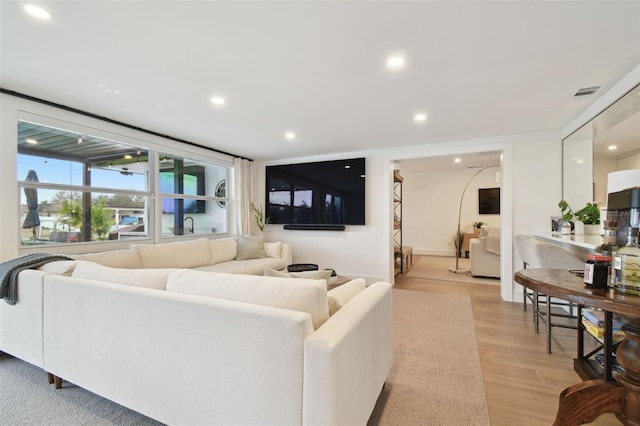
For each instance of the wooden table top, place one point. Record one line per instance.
(568, 286)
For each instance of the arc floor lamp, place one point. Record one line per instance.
(457, 270)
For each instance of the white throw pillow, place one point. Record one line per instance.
(250, 248)
(126, 258)
(183, 254)
(341, 295)
(273, 249)
(297, 295)
(223, 250)
(149, 278)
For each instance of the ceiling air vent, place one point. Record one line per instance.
(586, 91)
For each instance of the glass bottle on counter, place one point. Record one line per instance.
(627, 265)
(609, 245)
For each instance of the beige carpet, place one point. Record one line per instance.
(437, 268)
(436, 377)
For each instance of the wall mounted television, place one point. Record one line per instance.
(489, 201)
(193, 184)
(318, 193)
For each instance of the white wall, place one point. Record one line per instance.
(531, 189)
(430, 205)
(629, 162)
(360, 251)
(601, 169)
(577, 179)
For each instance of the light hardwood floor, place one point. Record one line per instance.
(522, 381)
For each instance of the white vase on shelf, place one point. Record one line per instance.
(592, 229)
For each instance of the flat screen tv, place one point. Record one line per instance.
(489, 201)
(193, 184)
(318, 193)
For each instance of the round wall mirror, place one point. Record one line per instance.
(221, 191)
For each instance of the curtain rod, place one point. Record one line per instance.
(112, 121)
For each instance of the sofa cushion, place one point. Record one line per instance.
(273, 249)
(324, 274)
(222, 250)
(250, 248)
(126, 258)
(249, 267)
(149, 278)
(302, 295)
(60, 267)
(182, 254)
(341, 295)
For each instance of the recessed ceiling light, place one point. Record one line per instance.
(395, 62)
(290, 136)
(612, 147)
(31, 141)
(37, 11)
(457, 160)
(420, 117)
(218, 100)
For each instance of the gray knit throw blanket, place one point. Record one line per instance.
(10, 269)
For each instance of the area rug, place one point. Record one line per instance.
(436, 376)
(437, 268)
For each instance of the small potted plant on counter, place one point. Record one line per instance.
(589, 216)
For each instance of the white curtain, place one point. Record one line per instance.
(242, 196)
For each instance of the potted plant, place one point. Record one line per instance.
(477, 226)
(258, 215)
(458, 241)
(589, 215)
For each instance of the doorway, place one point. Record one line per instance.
(433, 200)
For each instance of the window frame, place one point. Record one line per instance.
(153, 144)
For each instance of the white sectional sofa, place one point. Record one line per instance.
(193, 347)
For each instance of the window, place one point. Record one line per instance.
(78, 188)
(193, 196)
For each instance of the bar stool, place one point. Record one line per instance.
(540, 254)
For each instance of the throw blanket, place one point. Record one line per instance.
(10, 269)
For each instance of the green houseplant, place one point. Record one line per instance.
(589, 214)
(458, 241)
(259, 217)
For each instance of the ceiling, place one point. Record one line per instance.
(477, 69)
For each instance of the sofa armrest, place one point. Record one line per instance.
(347, 360)
(483, 262)
(21, 324)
